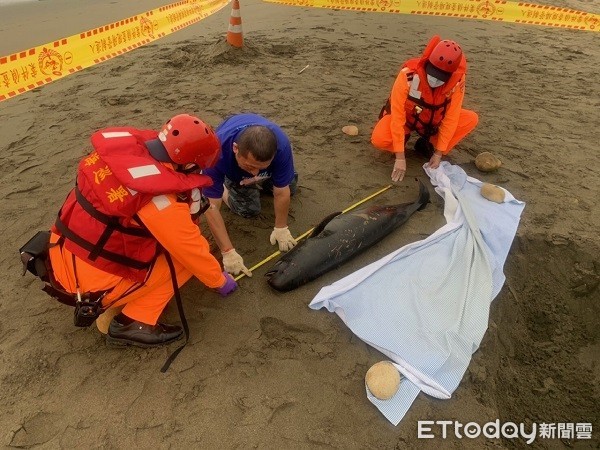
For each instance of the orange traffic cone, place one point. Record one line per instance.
(234, 33)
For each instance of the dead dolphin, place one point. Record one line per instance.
(338, 238)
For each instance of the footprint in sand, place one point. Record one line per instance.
(297, 339)
(36, 430)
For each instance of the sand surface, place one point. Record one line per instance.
(262, 370)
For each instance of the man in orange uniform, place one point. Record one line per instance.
(427, 98)
(133, 205)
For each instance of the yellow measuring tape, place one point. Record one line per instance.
(303, 235)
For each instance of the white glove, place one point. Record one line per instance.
(284, 238)
(195, 201)
(435, 160)
(234, 263)
(399, 169)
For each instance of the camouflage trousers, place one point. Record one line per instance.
(245, 200)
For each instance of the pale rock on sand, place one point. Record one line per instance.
(487, 162)
(383, 380)
(350, 130)
(493, 193)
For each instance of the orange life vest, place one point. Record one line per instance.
(98, 219)
(425, 108)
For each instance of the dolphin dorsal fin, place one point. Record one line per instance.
(323, 224)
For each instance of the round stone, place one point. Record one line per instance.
(350, 130)
(493, 193)
(383, 380)
(487, 162)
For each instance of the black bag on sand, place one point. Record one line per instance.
(34, 257)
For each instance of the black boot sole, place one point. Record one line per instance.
(119, 342)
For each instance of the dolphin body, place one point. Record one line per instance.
(337, 239)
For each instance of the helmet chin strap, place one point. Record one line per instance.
(188, 168)
(158, 150)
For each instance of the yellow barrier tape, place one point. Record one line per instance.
(306, 233)
(498, 10)
(26, 70)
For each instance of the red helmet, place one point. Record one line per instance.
(446, 56)
(189, 140)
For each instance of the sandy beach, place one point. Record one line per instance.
(262, 370)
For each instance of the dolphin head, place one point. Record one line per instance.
(282, 275)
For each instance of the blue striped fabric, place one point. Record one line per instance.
(426, 305)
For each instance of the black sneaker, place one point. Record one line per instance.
(424, 148)
(141, 334)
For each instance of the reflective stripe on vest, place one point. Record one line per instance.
(421, 116)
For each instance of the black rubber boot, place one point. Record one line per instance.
(141, 334)
(424, 148)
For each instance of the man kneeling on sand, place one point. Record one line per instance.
(256, 157)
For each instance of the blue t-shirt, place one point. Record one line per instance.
(280, 171)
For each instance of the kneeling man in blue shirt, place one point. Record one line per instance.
(256, 155)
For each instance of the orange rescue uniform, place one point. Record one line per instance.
(451, 123)
(170, 223)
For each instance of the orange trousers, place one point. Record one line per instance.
(144, 304)
(382, 133)
(147, 303)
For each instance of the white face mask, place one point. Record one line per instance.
(434, 82)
